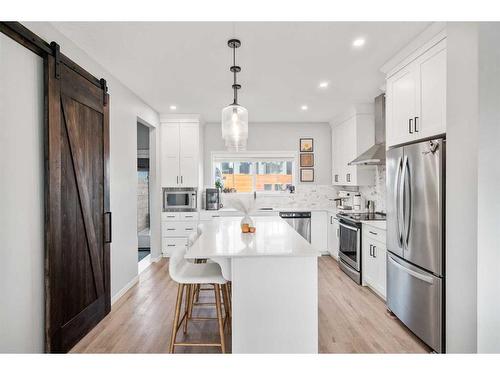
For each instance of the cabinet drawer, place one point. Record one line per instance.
(376, 234)
(178, 228)
(209, 215)
(189, 216)
(169, 216)
(168, 245)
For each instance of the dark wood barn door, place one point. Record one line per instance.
(78, 222)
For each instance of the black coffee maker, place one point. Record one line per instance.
(212, 199)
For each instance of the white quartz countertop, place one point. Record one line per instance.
(222, 237)
(380, 224)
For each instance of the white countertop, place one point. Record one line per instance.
(222, 237)
(379, 224)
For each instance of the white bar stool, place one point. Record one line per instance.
(187, 275)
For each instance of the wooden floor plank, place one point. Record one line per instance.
(352, 319)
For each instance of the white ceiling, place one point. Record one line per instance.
(187, 64)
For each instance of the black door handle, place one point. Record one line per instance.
(416, 130)
(371, 250)
(107, 227)
(410, 130)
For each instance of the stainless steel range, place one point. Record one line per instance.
(350, 241)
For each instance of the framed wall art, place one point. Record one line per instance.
(307, 175)
(307, 160)
(306, 145)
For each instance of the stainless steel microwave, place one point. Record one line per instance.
(180, 199)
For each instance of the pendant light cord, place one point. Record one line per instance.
(234, 80)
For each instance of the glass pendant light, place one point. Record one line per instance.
(234, 116)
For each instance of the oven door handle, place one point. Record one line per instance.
(348, 227)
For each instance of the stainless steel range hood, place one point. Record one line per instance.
(375, 155)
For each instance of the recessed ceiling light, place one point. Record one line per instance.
(304, 107)
(323, 85)
(360, 42)
(173, 107)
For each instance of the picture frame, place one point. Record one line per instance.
(307, 175)
(307, 160)
(306, 145)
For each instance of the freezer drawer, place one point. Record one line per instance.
(416, 298)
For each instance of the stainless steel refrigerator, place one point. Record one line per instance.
(415, 238)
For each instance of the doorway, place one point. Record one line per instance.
(143, 197)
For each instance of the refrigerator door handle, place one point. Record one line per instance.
(399, 188)
(408, 206)
(427, 279)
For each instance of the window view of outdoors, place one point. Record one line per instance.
(237, 175)
(273, 175)
(246, 177)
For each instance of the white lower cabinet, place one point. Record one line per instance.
(374, 259)
(319, 230)
(175, 230)
(333, 235)
(169, 244)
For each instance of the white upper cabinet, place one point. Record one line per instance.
(431, 108)
(189, 154)
(169, 155)
(416, 98)
(352, 134)
(180, 154)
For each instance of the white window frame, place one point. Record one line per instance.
(254, 156)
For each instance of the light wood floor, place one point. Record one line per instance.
(351, 319)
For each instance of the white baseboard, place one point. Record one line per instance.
(124, 290)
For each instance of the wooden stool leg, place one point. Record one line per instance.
(227, 305)
(198, 292)
(219, 317)
(180, 291)
(187, 306)
(192, 299)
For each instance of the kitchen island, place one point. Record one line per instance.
(274, 274)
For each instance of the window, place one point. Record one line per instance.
(254, 173)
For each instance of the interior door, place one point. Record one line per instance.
(77, 274)
(423, 174)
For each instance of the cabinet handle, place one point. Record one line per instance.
(371, 248)
(336, 178)
(348, 177)
(181, 180)
(170, 228)
(215, 215)
(189, 228)
(374, 252)
(375, 234)
(416, 130)
(410, 122)
(170, 245)
(177, 180)
(331, 219)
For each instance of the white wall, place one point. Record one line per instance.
(461, 192)
(488, 257)
(277, 137)
(21, 199)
